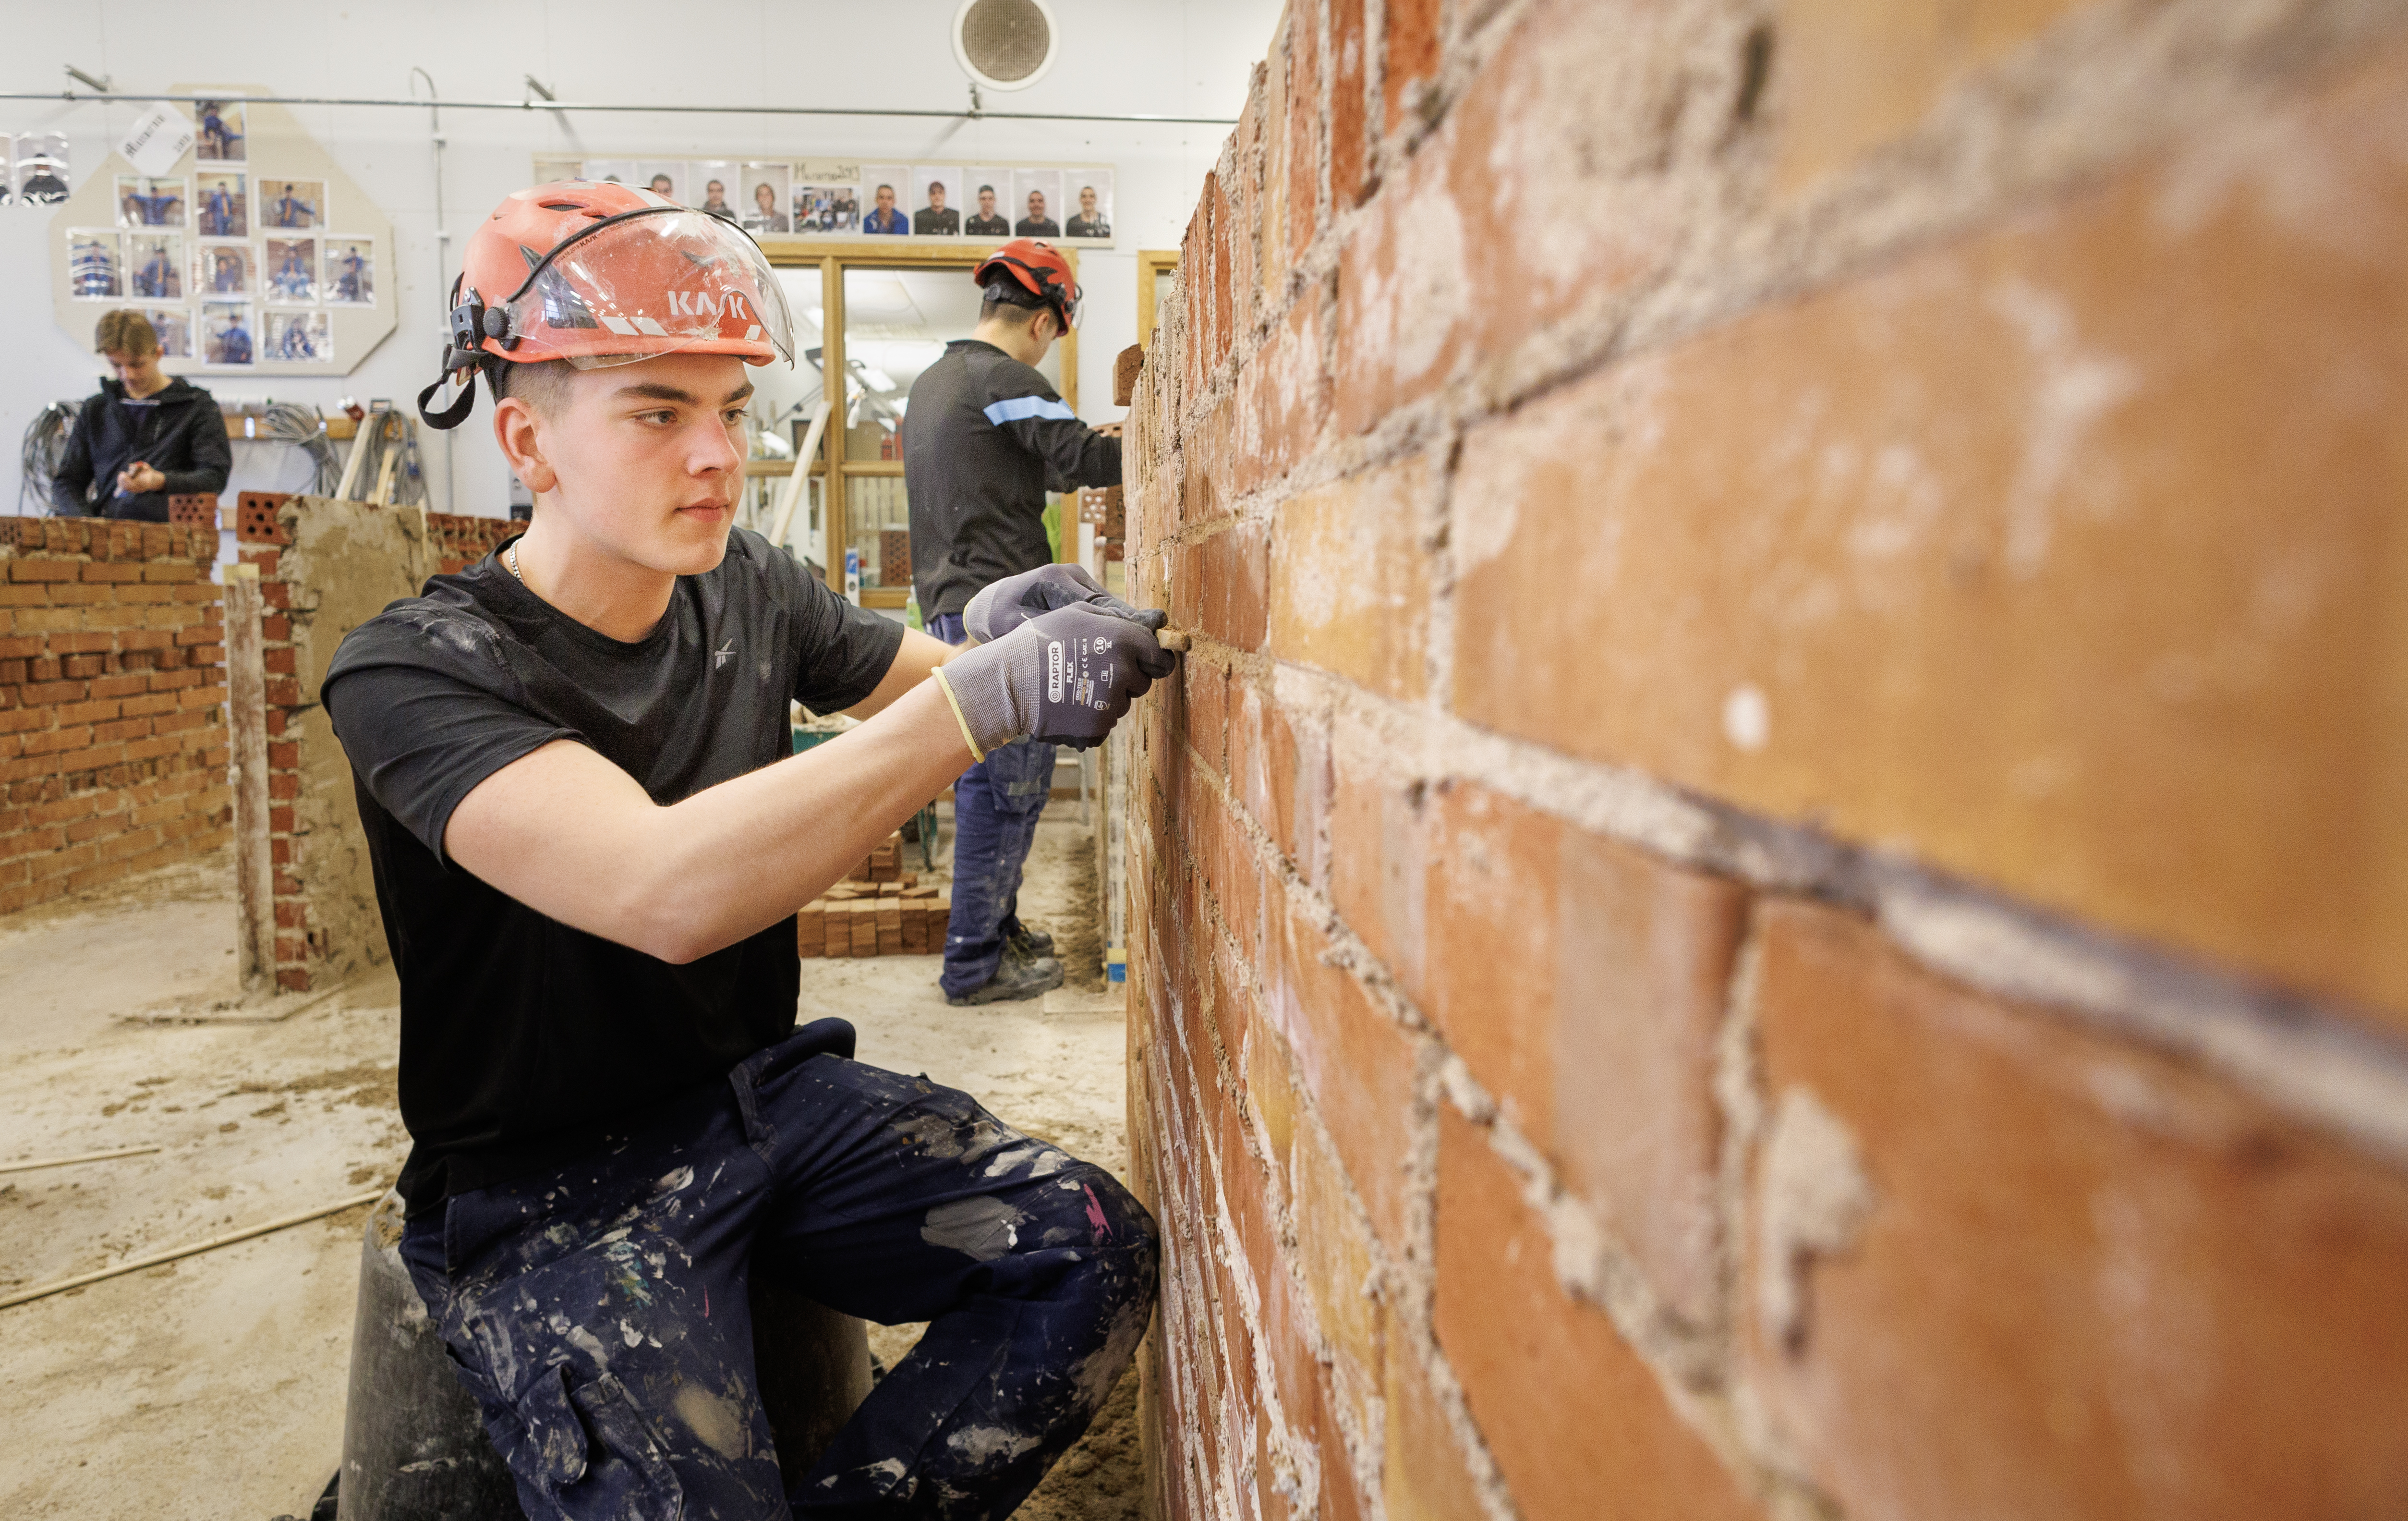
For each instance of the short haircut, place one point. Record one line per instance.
(128, 333)
(987, 190)
(1015, 313)
(888, 189)
(935, 184)
(543, 386)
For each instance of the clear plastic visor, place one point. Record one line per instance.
(654, 285)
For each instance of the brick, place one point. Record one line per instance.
(1333, 1245)
(1535, 197)
(2093, 1280)
(1409, 51)
(43, 570)
(1423, 1472)
(1348, 55)
(1358, 1063)
(169, 571)
(1283, 398)
(102, 572)
(1350, 585)
(1987, 610)
(1580, 1427)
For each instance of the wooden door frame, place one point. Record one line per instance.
(835, 257)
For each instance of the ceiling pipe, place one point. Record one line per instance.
(112, 98)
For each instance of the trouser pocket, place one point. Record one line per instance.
(592, 1453)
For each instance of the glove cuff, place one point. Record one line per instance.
(956, 704)
(979, 686)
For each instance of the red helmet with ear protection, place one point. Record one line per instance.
(1038, 268)
(599, 273)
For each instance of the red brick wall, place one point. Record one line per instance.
(112, 686)
(1776, 886)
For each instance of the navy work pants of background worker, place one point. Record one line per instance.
(996, 806)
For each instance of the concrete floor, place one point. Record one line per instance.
(213, 1387)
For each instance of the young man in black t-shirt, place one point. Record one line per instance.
(589, 851)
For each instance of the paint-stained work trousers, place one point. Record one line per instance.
(996, 806)
(599, 1314)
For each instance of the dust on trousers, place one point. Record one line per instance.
(599, 1314)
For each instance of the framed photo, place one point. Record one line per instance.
(828, 209)
(174, 326)
(665, 178)
(349, 278)
(290, 268)
(1090, 206)
(154, 266)
(609, 171)
(766, 189)
(222, 204)
(219, 132)
(936, 201)
(986, 201)
(299, 335)
(224, 269)
(226, 334)
(711, 185)
(145, 202)
(41, 167)
(95, 264)
(885, 213)
(1036, 203)
(292, 205)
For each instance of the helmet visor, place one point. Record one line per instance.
(665, 280)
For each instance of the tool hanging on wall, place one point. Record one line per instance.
(385, 454)
(796, 483)
(45, 445)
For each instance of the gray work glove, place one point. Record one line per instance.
(999, 608)
(1063, 678)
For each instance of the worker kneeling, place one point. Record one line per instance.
(589, 847)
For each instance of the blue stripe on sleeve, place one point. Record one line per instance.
(1016, 408)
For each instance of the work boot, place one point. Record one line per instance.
(1029, 944)
(1015, 977)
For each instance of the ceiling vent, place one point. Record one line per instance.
(1004, 44)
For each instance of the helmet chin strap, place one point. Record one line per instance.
(457, 413)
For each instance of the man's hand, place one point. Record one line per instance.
(1065, 678)
(999, 608)
(138, 477)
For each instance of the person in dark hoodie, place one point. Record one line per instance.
(143, 438)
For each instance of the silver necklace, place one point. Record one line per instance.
(510, 558)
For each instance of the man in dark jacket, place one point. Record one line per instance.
(984, 438)
(143, 438)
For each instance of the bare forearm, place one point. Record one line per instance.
(572, 835)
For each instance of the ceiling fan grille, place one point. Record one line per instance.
(1008, 41)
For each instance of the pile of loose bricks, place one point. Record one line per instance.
(879, 909)
(112, 734)
(1776, 886)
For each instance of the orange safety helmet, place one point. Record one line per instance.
(599, 273)
(1040, 270)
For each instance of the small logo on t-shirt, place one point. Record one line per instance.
(720, 656)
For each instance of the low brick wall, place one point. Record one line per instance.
(112, 732)
(1776, 886)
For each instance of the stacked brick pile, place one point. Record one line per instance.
(112, 686)
(1776, 886)
(879, 909)
(460, 542)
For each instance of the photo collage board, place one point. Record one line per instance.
(952, 200)
(236, 261)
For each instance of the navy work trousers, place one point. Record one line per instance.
(996, 805)
(599, 1314)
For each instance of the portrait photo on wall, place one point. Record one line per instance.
(226, 333)
(41, 167)
(610, 171)
(224, 269)
(986, 202)
(1091, 203)
(290, 269)
(828, 209)
(292, 204)
(144, 202)
(217, 132)
(882, 187)
(298, 335)
(350, 277)
(154, 266)
(936, 201)
(174, 326)
(664, 178)
(222, 204)
(1036, 203)
(95, 265)
(713, 183)
(766, 189)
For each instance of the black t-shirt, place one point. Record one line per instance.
(523, 1040)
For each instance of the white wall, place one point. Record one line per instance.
(1166, 57)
